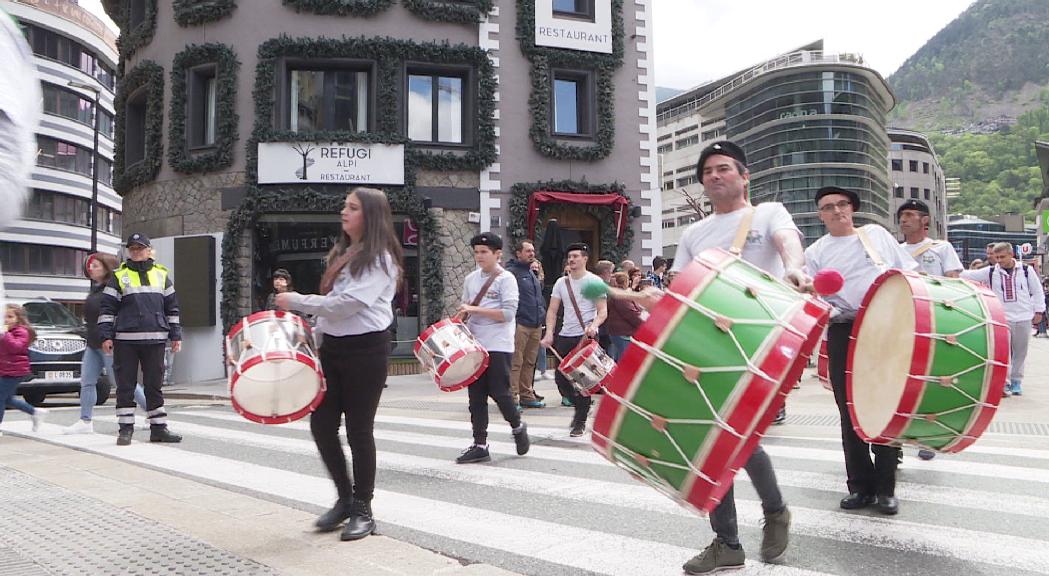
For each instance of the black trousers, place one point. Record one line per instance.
(355, 371)
(864, 476)
(494, 383)
(564, 345)
(128, 357)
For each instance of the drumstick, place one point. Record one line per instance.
(593, 290)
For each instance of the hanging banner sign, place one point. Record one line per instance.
(331, 163)
(588, 32)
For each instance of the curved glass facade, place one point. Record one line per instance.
(810, 129)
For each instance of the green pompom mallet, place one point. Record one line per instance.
(594, 289)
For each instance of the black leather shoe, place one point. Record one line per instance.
(162, 434)
(332, 519)
(124, 435)
(360, 523)
(521, 440)
(856, 501)
(888, 505)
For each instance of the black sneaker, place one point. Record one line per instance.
(162, 434)
(521, 440)
(124, 435)
(781, 416)
(578, 429)
(474, 454)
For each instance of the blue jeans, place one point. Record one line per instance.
(540, 359)
(90, 371)
(619, 344)
(8, 386)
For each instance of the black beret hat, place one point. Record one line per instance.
(578, 246)
(724, 148)
(827, 190)
(912, 204)
(488, 239)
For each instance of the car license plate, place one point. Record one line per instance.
(59, 374)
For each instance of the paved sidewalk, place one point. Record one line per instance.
(71, 512)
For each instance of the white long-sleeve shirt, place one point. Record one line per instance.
(356, 304)
(1019, 290)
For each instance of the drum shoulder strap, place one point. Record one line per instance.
(742, 231)
(487, 284)
(869, 247)
(575, 305)
(924, 249)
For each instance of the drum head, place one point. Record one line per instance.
(883, 350)
(463, 369)
(276, 391)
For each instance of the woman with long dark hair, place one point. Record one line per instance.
(98, 267)
(354, 311)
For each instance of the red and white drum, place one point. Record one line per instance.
(276, 376)
(451, 354)
(823, 364)
(587, 367)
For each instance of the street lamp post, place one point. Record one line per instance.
(96, 91)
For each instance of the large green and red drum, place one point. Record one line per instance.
(704, 377)
(928, 359)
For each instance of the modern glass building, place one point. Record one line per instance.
(76, 55)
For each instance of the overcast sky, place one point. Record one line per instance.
(697, 41)
(701, 40)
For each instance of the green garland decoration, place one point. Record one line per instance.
(221, 155)
(359, 8)
(460, 11)
(390, 56)
(196, 12)
(131, 39)
(150, 76)
(544, 60)
(611, 249)
(402, 200)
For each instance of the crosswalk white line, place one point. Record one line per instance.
(546, 541)
(907, 491)
(975, 449)
(948, 465)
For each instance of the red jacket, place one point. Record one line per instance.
(623, 317)
(14, 352)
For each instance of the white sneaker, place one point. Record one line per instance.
(80, 427)
(38, 417)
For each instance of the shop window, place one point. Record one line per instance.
(437, 106)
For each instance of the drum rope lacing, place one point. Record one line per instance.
(951, 380)
(642, 464)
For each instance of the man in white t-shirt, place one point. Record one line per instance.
(1023, 298)
(490, 297)
(843, 249)
(773, 243)
(934, 257)
(582, 318)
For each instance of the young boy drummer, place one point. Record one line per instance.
(490, 308)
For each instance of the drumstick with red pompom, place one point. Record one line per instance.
(827, 282)
(595, 289)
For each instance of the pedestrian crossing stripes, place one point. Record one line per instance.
(591, 518)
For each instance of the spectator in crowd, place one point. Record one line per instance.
(540, 358)
(634, 282)
(531, 311)
(624, 316)
(604, 269)
(627, 266)
(659, 268)
(976, 264)
(1041, 329)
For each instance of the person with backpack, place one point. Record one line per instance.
(1023, 299)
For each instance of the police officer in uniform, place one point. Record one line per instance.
(139, 314)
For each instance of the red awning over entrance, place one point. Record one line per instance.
(616, 202)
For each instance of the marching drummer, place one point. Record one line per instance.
(489, 305)
(582, 318)
(935, 257)
(354, 310)
(860, 255)
(766, 236)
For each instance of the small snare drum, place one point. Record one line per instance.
(587, 367)
(451, 354)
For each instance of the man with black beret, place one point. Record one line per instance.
(860, 255)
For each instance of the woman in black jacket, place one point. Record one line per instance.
(98, 268)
